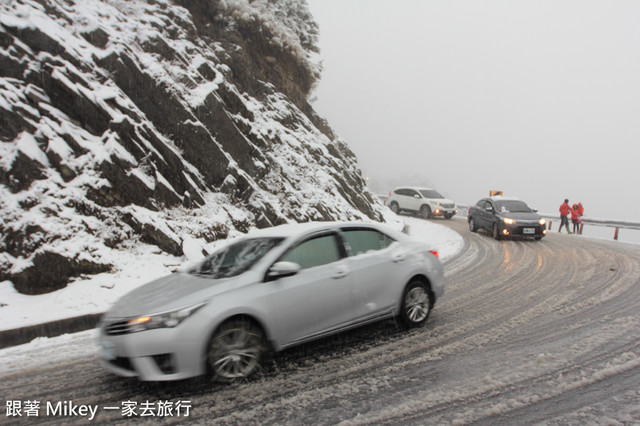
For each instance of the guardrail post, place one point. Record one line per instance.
(615, 235)
(549, 227)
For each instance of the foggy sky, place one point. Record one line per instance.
(540, 99)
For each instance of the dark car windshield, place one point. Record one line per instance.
(513, 206)
(235, 258)
(430, 193)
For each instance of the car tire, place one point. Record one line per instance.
(496, 232)
(448, 216)
(416, 304)
(394, 207)
(425, 212)
(472, 225)
(235, 351)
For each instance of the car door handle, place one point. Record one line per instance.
(340, 274)
(398, 257)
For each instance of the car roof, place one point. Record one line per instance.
(297, 229)
(503, 198)
(417, 188)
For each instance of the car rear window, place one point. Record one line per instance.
(513, 206)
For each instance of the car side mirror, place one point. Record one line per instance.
(489, 209)
(416, 196)
(281, 270)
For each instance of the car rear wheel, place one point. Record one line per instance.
(235, 351)
(472, 225)
(394, 207)
(416, 305)
(496, 232)
(425, 212)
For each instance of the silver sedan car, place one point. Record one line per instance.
(269, 290)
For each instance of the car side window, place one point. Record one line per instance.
(365, 240)
(413, 193)
(316, 251)
(401, 192)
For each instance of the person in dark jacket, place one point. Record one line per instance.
(565, 210)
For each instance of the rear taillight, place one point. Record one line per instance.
(435, 253)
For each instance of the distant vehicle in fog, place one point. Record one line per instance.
(506, 217)
(425, 202)
(270, 290)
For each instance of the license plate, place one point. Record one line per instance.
(529, 230)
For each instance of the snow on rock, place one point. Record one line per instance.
(126, 123)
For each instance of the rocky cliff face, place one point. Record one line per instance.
(148, 122)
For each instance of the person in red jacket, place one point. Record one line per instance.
(575, 218)
(565, 210)
(581, 213)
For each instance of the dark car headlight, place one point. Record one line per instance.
(508, 221)
(168, 319)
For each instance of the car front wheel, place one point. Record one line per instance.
(416, 305)
(496, 231)
(425, 212)
(472, 225)
(235, 351)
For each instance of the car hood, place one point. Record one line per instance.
(443, 201)
(521, 215)
(172, 292)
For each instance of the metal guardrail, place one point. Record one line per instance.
(602, 222)
(609, 223)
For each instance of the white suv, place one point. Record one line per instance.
(426, 202)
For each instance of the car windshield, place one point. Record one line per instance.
(513, 206)
(430, 193)
(235, 258)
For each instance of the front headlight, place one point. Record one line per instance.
(163, 320)
(542, 221)
(509, 221)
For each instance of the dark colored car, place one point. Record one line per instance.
(505, 217)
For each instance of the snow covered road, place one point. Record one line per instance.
(527, 332)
